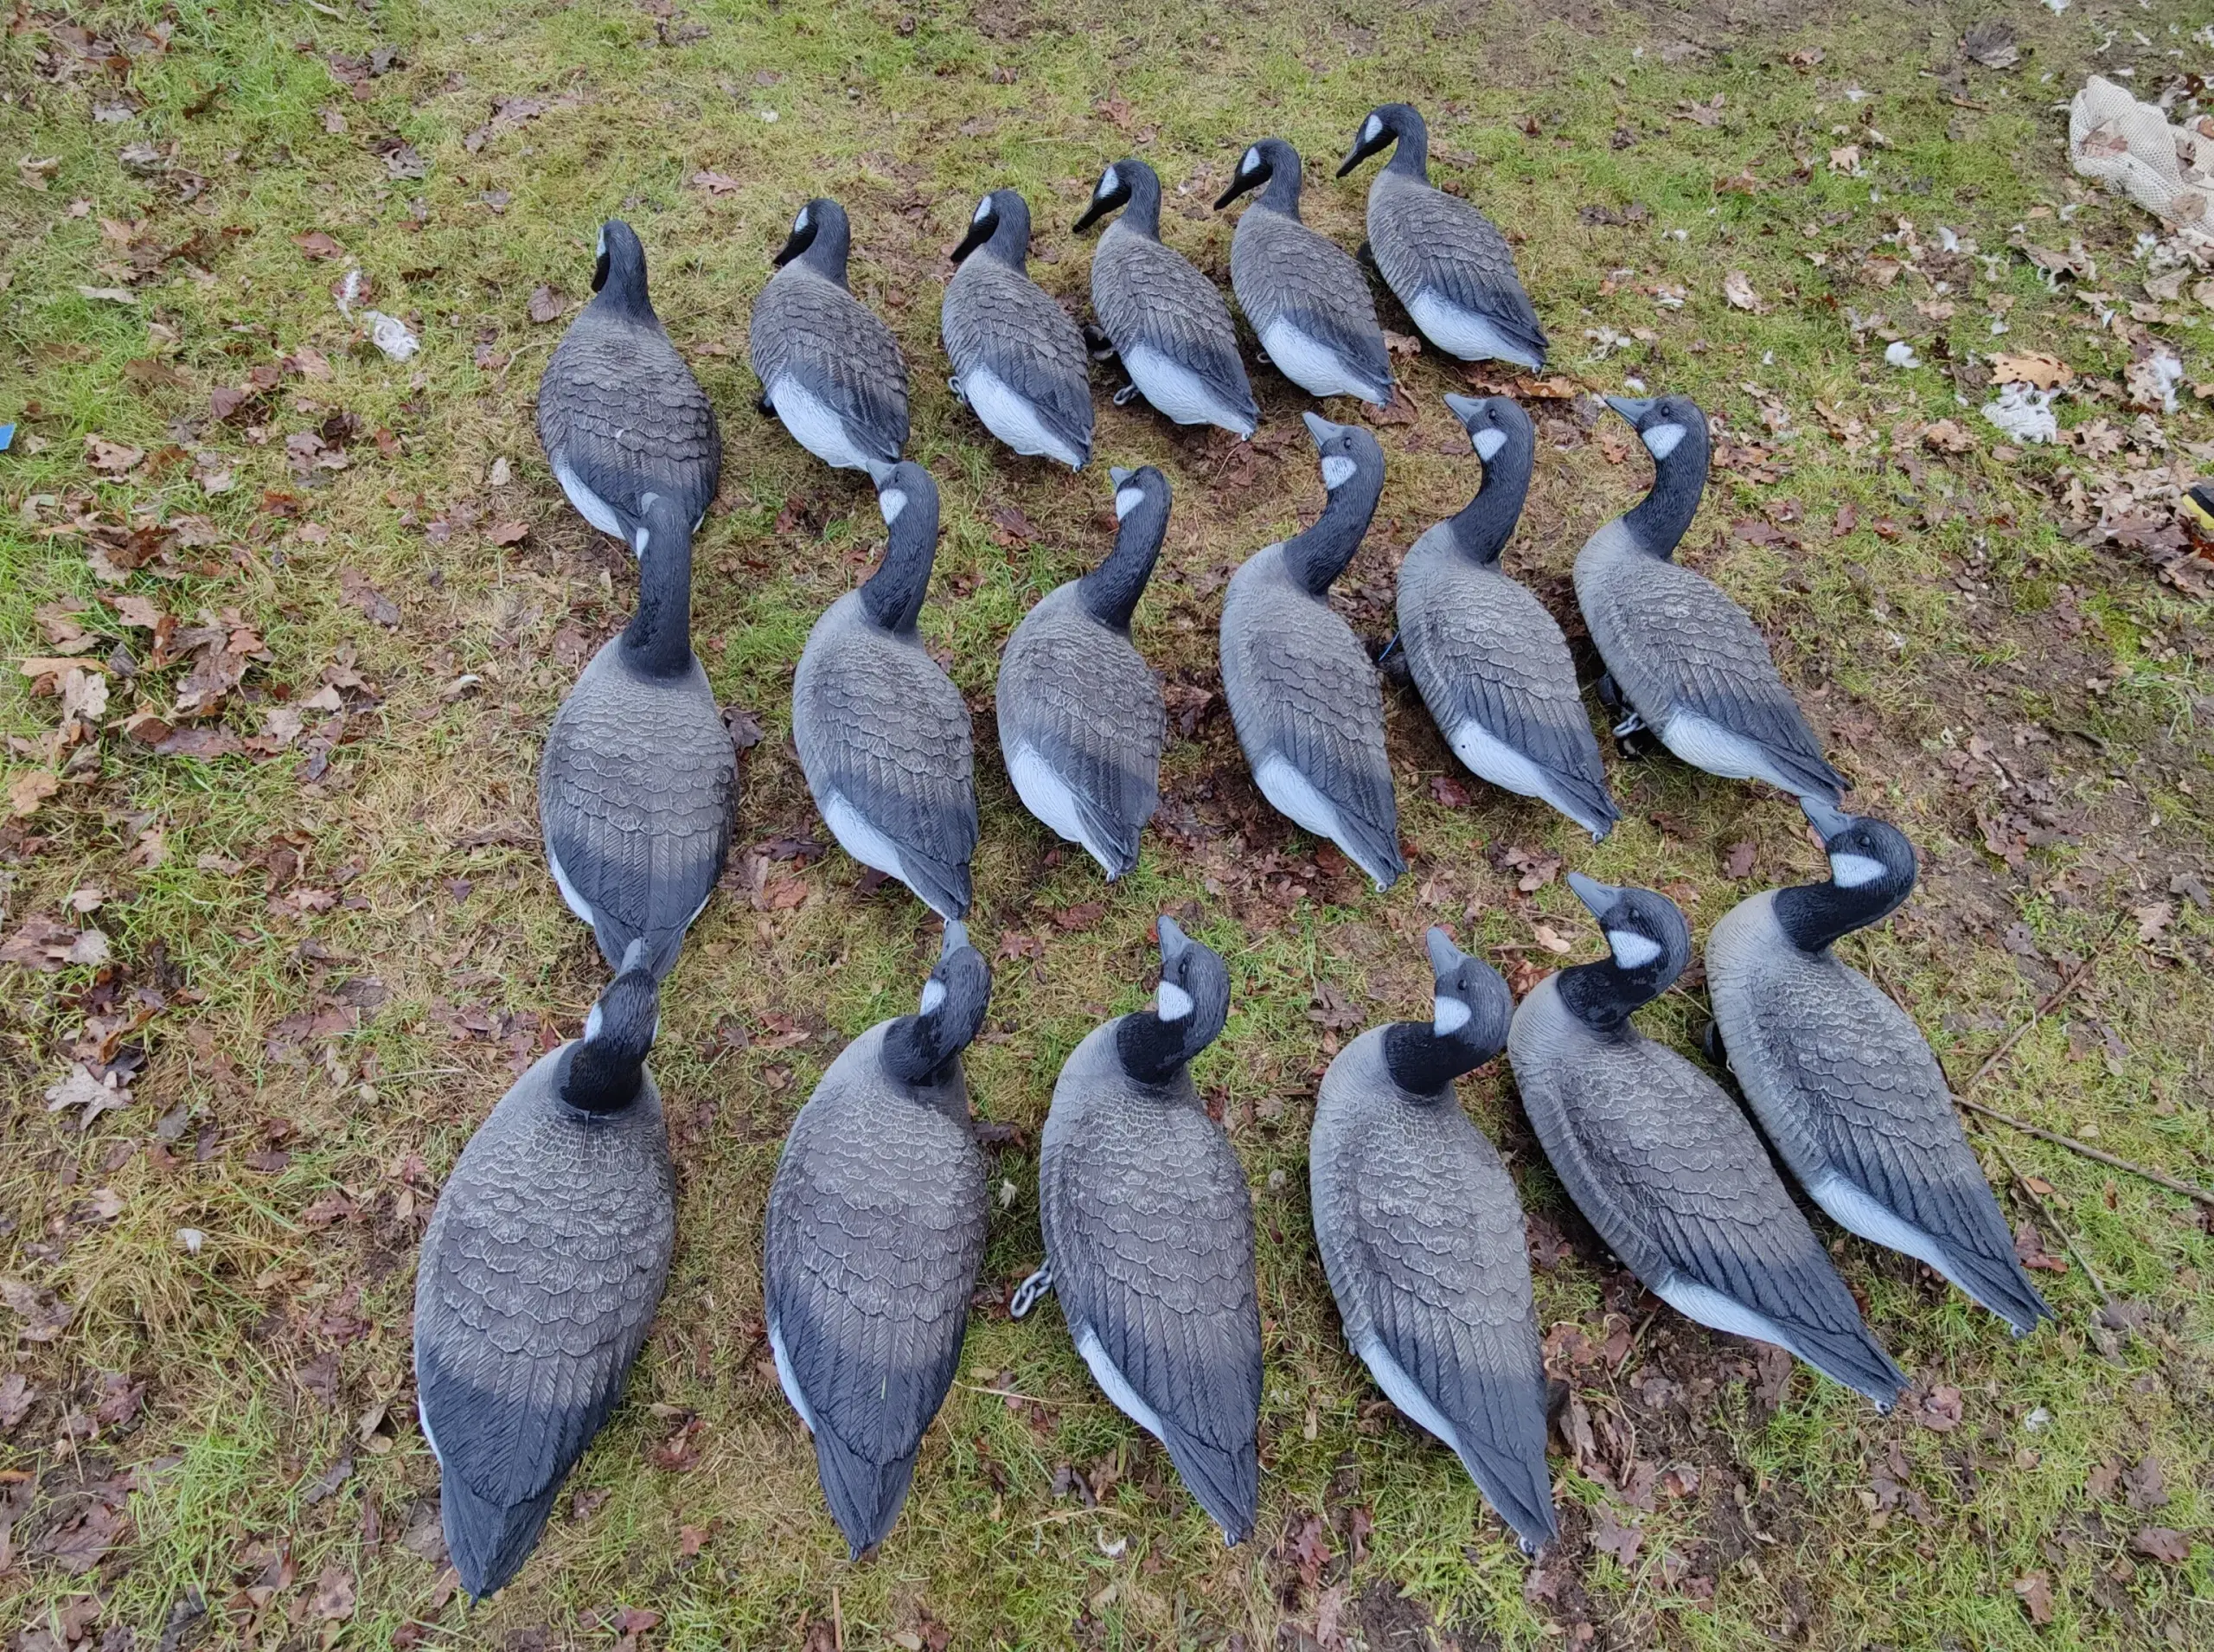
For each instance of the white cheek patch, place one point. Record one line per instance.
(983, 211)
(1175, 1004)
(1251, 163)
(1850, 871)
(1487, 443)
(1632, 950)
(591, 1024)
(892, 503)
(599, 247)
(1448, 1015)
(1337, 470)
(1661, 440)
(933, 996)
(801, 222)
(1110, 181)
(1370, 130)
(1127, 500)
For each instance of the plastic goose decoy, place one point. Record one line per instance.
(1491, 663)
(544, 1259)
(1019, 362)
(1302, 690)
(1080, 715)
(1167, 323)
(875, 1231)
(1150, 1236)
(883, 734)
(1682, 659)
(1447, 262)
(1307, 300)
(1665, 1166)
(619, 415)
(1843, 1082)
(1422, 1235)
(830, 371)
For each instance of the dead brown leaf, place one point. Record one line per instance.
(547, 305)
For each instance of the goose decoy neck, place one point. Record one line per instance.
(1390, 124)
(921, 1048)
(893, 594)
(1500, 433)
(1353, 474)
(1134, 186)
(604, 1071)
(1872, 870)
(1155, 1045)
(1000, 228)
(1272, 167)
(619, 272)
(822, 238)
(1649, 944)
(1673, 431)
(1468, 1025)
(658, 639)
(1111, 592)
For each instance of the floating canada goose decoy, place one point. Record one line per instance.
(883, 734)
(1167, 323)
(1302, 690)
(638, 779)
(1422, 1236)
(1019, 362)
(1665, 1166)
(619, 415)
(540, 1269)
(1150, 1236)
(1682, 659)
(829, 370)
(1081, 719)
(1307, 300)
(1491, 663)
(1447, 262)
(1843, 1082)
(875, 1231)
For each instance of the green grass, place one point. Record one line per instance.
(1956, 623)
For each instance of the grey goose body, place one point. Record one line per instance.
(1666, 1167)
(1019, 362)
(619, 413)
(1423, 1237)
(1449, 265)
(883, 734)
(1684, 659)
(1306, 298)
(1842, 1081)
(875, 1231)
(1302, 693)
(541, 1270)
(831, 370)
(1080, 715)
(1492, 664)
(1167, 323)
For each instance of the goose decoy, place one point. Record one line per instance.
(1307, 300)
(544, 1259)
(637, 784)
(1447, 262)
(619, 415)
(1019, 362)
(1422, 1236)
(829, 370)
(883, 734)
(1842, 1081)
(1492, 665)
(1665, 1166)
(876, 1229)
(1682, 659)
(1302, 693)
(1149, 1236)
(1081, 719)
(1165, 320)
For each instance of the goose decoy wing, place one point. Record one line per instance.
(1150, 294)
(621, 414)
(1299, 276)
(1003, 320)
(808, 326)
(1426, 240)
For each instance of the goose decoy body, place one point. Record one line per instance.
(1080, 713)
(883, 734)
(829, 370)
(1447, 262)
(875, 1231)
(1682, 659)
(1842, 1081)
(1018, 360)
(1663, 1164)
(1307, 300)
(1149, 1236)
(1302, 693)
(1167, 323)
(619, 415)
(544, 1259)
(1491, 663)
(638, 779)
(1422, 1236)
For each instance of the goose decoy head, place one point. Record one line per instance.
(1001, 207)
(1188, 1011)
(1387, 124)
(1133, 489)
(820, 221)
(606, 1066)
(1118, 185)
(1645, 931)
(1346, 451)
(1471, 998)
(1662, 423)
(619, 264)
(1870, 859)
(908, 499)
(948, 1015)
(1111, 592)
(1269, 159)
(1494, 424)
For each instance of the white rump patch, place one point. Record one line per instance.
(1631, 950)
(1292, 795)
(1706, 745)
(1661, 440)
(1014, 419)
(1487, 443)
(1461, 331)
(1127, 500)
(1404, 1391)
(933, 996)
(786, 1380)
(1337, 470)
(1116, 1385)
(1174, 1002)
(1711, 1309)
(1178, 393)
(1494, 759)
(859, 839)
(1312, 365)
(594, 508)
(1856, 1212)
(891, 502)
(817, 429)
(1850, 871)
(1448, 1016)
(1051, 798)
(575, 901)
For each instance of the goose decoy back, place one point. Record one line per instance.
(1018, 360)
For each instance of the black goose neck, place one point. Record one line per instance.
(1142, 211)
(1154, 1051)
(1658, 521)
(1410, 154)
(1010, 241)
(1318, 555)
(893, 594)
(1111, 592)
(1281, 192)
(619, 278)
(1482, 526)
(827, 253)
(1815, 916)
(920, 1051)
(658, 639)
(1603, 995)
(1424, 1064)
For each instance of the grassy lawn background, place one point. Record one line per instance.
(299, 942)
